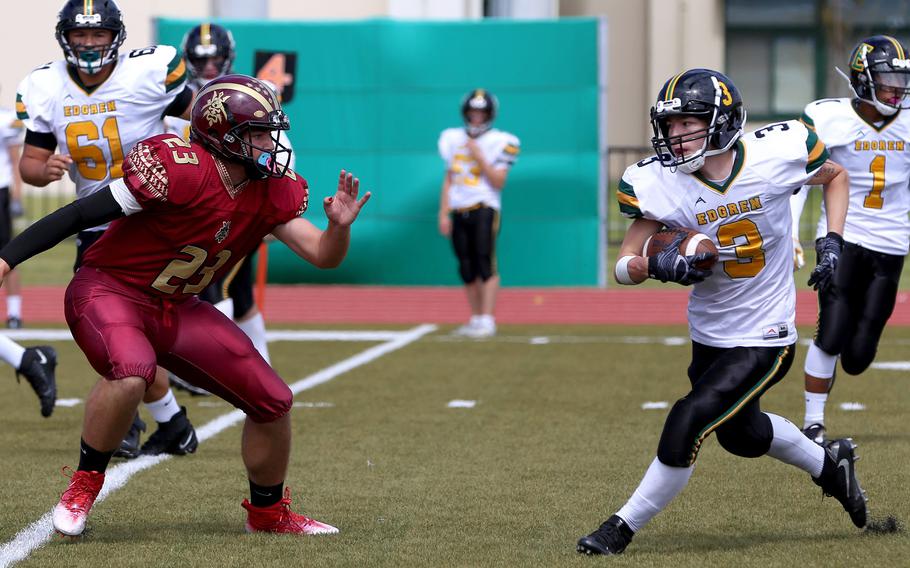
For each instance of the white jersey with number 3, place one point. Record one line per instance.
(750, 299)
(98, 127)
(877, 157)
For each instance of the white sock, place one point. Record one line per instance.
(254, 328)
(11, 352)
(658, 487)
(791, 446)
(487, 320)
(226, 307)
(815, 408)
(14, 306)
(165, 408)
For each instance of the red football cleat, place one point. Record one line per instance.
(279, 518)
(75, 503)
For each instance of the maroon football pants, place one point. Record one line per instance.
(126, 333)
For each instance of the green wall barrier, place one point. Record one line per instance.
(373, 96)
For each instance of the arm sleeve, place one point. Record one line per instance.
(96, 209)
(45, 140)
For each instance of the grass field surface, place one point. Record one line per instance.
(556, 442)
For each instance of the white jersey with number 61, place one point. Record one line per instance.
(877, 157)
(98, 126)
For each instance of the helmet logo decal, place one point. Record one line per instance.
(728, 98)
(214, 110)
(671, 105)
(859, 59)
(88, 19)
(478, 102)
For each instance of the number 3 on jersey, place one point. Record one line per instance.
(750, 250)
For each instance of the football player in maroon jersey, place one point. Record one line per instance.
(183, 214)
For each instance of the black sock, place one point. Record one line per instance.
(91, 459)
(265, 495)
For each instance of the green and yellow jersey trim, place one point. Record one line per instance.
(818, 152)
(628, 203)
(734, 173)
(176, 73)
(807, 121)
(889, 120)
(21, 111)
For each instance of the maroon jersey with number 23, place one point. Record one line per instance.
(194, 226)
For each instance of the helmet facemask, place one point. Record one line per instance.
(720, 134)
(272, 162)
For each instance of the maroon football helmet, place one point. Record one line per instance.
(227, 109)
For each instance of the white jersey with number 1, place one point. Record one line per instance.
(750, 299)
(98, 126)
(877, 157)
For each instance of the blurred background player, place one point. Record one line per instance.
(36, 364)
(209, 52)
(11, 132)
(867, 136)
(736, 190)
(95, 105)
(478, 158)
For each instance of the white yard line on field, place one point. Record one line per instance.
(40, 532)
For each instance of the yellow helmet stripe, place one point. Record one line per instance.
(897, 46)
(672, 86)
(205, 34)
(240, 88)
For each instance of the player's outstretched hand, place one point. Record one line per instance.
(828, 249)
(670, 266)
(343, 207)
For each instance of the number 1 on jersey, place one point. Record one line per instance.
(874, 200)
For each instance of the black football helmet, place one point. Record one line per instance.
(91, 14)
(704, 93)
(880, 74)
(479, 99)
(225, 112)
(204, 42)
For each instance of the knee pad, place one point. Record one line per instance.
(466, 271)
(485, 268)
(856, 363)
(820, 363)
(748, 440)
(275, 403)
(682, 436)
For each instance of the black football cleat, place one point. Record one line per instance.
(613, 536)
(129, 447)
(14, 323)
(838, 479)
(176, 436)
(38, 364)
(817, 433)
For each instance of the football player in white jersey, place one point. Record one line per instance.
(734, 188)
(94, 105)
(37, 364)
(870, 137)
(209, 52)
(478, 158)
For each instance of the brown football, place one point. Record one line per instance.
(694, 243)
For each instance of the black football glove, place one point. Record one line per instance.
(670, 266)
(828, 250)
